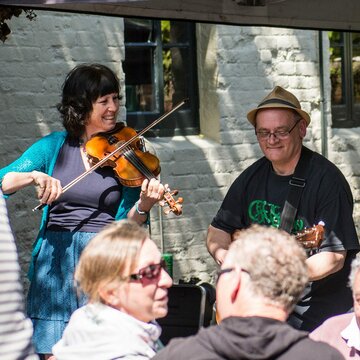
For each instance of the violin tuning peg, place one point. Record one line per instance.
(177, 210)
(180, 200)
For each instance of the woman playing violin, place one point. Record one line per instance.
(89, 105)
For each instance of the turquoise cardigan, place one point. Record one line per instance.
(41, 156)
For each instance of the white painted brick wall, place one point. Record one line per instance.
(246, 64)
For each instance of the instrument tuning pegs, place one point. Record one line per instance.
(169, 204)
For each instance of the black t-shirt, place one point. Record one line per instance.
(258, 196)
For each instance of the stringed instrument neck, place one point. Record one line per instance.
(311, 238)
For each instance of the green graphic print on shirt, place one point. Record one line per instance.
(265, 213)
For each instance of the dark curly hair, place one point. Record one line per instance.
(83, 85)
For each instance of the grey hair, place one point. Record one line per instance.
(275, 262)
(355, 267)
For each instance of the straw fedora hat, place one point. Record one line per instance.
(279, 98)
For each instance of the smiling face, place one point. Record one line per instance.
(283, 153)
(103, 116)
(146, 299)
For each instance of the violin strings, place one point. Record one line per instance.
(134, 160)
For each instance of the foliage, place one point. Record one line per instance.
(167, 61)
(6, 13)
(335, 66)
(341, 65)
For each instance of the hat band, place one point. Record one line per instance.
(277, 101)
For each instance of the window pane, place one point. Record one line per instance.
(336, 81)
(176, 81)
(139, 79)
(160, 72)
(356, 66)
(336, 65)
(176, 60)
(174, 32)
(336, 38)
(138, 30)
(345, 78)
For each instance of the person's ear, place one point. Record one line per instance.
(109, 294)
(235, 284)
(302, 128)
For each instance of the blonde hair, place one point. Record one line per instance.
(275, 262)
(109, 256)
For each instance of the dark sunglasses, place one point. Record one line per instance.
(149, 272)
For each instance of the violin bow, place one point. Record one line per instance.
(123, 146)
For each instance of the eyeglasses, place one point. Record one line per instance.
(223, 271)
(149, 272)
(227, 270)
(279, 134)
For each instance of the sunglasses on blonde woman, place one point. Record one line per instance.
(149, 272)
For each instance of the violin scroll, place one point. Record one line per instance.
(169, 204)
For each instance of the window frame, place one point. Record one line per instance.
(185, 115)
(347, 114)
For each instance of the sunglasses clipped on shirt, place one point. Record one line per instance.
(149, 272)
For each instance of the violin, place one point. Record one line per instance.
(133, 164)
(122, 150)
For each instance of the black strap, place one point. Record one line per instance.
(297, 184)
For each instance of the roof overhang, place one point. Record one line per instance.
(306, 14)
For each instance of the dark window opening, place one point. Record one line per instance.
(160, 72)
(345, 78)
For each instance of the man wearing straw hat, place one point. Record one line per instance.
(322, 194)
